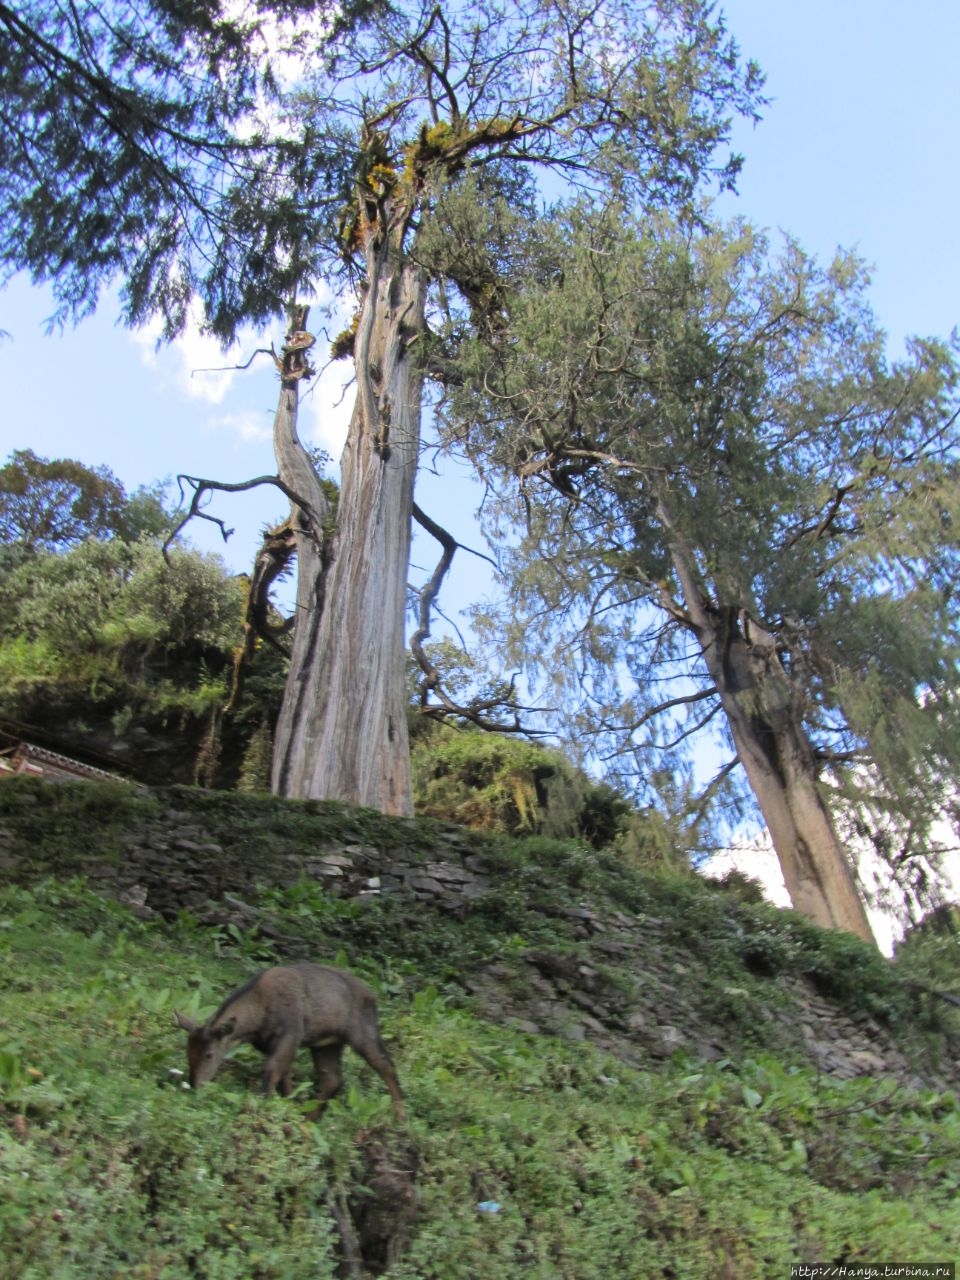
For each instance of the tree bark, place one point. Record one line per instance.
(342, 730)
(781, 768)
(767, 729)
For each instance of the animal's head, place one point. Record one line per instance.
(206, 1047)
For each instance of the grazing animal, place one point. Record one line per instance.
(283, 1008)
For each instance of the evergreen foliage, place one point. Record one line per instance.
(930, 951)
(729, 498)
(493, 783)
(209, 152)
(255, 769)
(111, 647)
(133, 150)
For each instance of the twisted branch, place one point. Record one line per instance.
(476, 711)
(201, 488)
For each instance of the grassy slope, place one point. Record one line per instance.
(110, 1169)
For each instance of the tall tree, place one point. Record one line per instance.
(49, 504)
(727, 487)
(392, 107)
(612, 94)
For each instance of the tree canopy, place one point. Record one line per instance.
(222, 154)
(734, 511)
(139, 147)
(52, 504)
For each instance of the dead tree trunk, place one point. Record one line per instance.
(342, 730)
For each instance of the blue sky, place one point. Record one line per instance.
(858, 148)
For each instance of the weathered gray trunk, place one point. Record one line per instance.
(342, 731)
(767, 729)
(780, 765)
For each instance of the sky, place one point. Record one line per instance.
(858, 148)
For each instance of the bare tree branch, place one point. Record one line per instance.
(705, 797)
(276, 553)
(476, 712)
(202, 487)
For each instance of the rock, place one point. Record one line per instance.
(328, 860)
(709, 1051)
(135, 895)
(583, 1001)
(473, 891)
(671, 1037)
(593, 1024)
(424, 884)
(363, 851)
(611, 947)
(243, 913)
(524, 1024)
(867, 1063)
(448, 871)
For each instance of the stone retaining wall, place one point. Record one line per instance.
(623, 987)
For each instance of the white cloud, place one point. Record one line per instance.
(327, 406)
(194, 363)
(249, 425)
(195, 367)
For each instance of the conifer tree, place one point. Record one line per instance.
(734, 509)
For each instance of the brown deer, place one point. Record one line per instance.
(283, 1008)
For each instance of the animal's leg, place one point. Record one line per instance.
(328, 1070)
(278, 1068)
(373, 1051)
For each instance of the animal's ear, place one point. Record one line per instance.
(224, 1029)
(183, 1021)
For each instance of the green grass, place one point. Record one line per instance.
(111, 1169)
(70, 829)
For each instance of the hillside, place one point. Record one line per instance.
(607, 1073)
